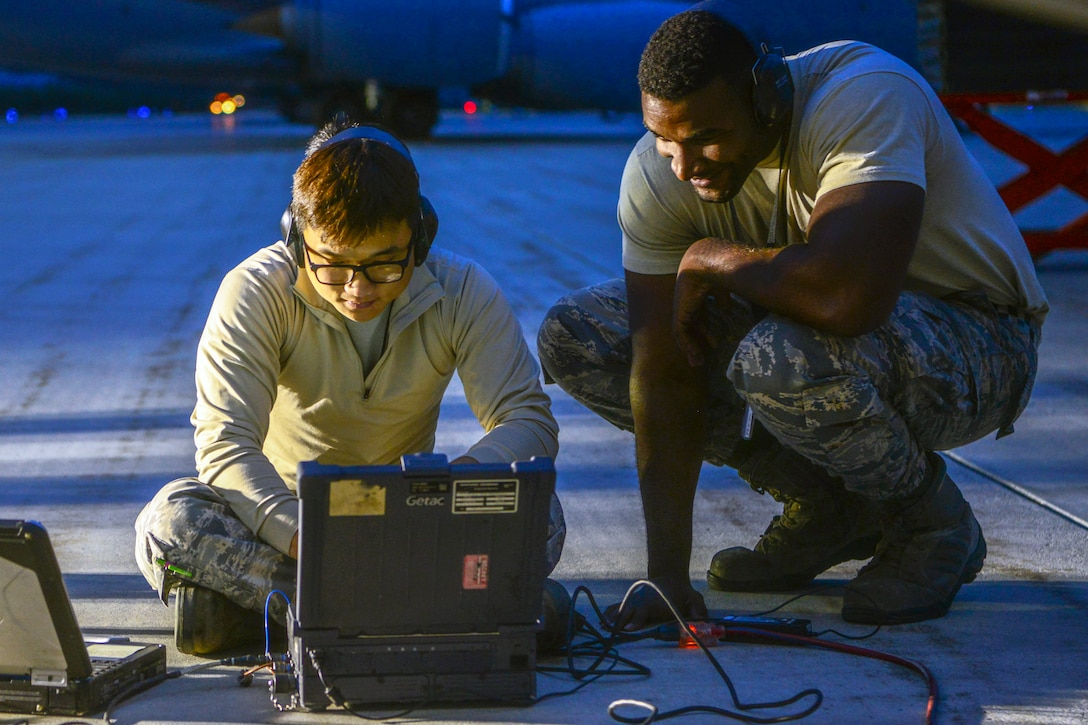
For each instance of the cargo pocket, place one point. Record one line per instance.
(859, 437)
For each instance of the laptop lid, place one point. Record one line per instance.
(46, 667)
(38, 629)
(422, 548)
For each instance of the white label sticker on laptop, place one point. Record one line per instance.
(485, 497)
(355, 497)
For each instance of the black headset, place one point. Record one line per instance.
(772, 90)
(423, 231)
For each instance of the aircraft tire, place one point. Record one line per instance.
(410, 112)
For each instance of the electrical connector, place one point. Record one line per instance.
(782, 625)
(730, 628)
(709, 633)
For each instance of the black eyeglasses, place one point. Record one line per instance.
(341, 274)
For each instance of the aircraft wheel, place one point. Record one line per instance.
(411, 113)
(352, 104)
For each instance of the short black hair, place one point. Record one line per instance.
(351, 188)
(689, 51)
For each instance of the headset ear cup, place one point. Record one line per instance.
(772, 87)
(426, 231)
(292, 236)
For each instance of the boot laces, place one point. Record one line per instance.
(784, 527)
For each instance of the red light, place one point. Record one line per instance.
(470, 107)
(707, 632)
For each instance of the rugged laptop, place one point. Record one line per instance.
(46, 667)
(420, 583)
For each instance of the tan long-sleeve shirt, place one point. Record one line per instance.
(279, 381)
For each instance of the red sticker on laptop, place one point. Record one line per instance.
(474, 574)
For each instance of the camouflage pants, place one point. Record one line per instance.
(188, 533)
(937, 375)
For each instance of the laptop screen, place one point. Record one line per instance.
(422, 548)
(38, 629)
(27, 638)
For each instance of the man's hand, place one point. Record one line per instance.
(644, 606)
(695, 285)
(690, 319)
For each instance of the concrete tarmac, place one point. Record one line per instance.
(117, 232)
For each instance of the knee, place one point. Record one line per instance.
(780, 358)
(174, 512)
(583, 330)
(555, 340)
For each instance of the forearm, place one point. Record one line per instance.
(532, 431)
(669, 420)
(502, 380)
(845, 279)
(250, 484)
(772, 279)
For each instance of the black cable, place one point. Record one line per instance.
(655, 715)
(600, 652)
(144, 685)
(931, 681)
(813, 592)
(772, 637)
(595, 646)
(601, 649)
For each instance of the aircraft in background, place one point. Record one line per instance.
(387, 60)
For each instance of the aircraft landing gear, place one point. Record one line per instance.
(411, 112)
(408, 112)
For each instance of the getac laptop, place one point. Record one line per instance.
(419, 583)
(46, 667)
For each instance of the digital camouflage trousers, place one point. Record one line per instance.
(188, 534)
(938, 374)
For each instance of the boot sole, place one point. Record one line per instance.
(855, 550)
(192, 637)
(183, 625)
(857, 615)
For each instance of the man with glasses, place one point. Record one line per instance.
(335, 345)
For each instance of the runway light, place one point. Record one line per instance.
(470, 107)
(12, 116)
(61, 114)
(227, 104)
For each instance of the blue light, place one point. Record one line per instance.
(61, 114)
(143, 112)
(11, 116)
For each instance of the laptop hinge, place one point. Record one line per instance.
(425, 465)
(48, 678)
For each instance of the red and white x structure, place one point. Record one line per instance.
(1046, 169)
